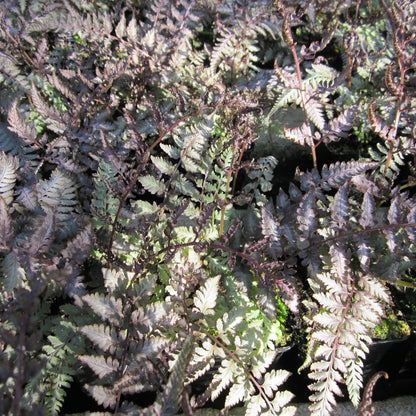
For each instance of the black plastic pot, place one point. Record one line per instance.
(397, 357)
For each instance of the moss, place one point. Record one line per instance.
(392, 327)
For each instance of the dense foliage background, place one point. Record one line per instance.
(189, 187)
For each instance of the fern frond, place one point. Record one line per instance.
(270, 228)
(239, 390)
(224, 377)
(341, 335)
(101, 366)
(153, 185)
(301, 135)
(19, 126)
(340, 208)
(6, 230)
(107, 308)
(367, 218)
(314, 112)
(14, 274)
(42, 238)
(339, 127)
(104, 202)
(205, 298)
(104, 396)
(335, 175)
(102, 336)
(354, 379)
(320, 74)
(8, 167)
(52, 117)
(58, 194)
(307, 221)
(170, 398)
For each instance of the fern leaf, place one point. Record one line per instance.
(163, 165)
(78, 249)
(281, 399)
(102, 336)
(107, 308)
(238, 391)
(153, 185)
(104, 396)
(101, 366)
(299, 135)
(326, 387)
(8, 168)
(61, 87)
(172, 151)
(367, 218)
(104, 203)
(339, 127)
(288, 95)
(340, 208)
(205, 298)
(55, 396)
(14, 274)
(328, 320)
(120, 29)
(320, 74)
(375, 288)
(132, 30)
(226, 43)
(394, 217)
(27, 197)
(150, 316)
(255, 405)
(52, 116)
(271, 230)
(174, 387)
(19, 126)
(224, 377)
(337, 174)
(184, 186)
(354, 380)
(306, 217)
(288, 411)
(272, 380)
(59, 194)
(42, 238)
(6, 231)
(315, 113)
